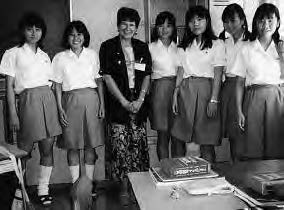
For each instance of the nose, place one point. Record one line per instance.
(196, 22)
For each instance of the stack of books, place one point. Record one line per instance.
(179, 170)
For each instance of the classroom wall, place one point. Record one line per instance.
(100, 18)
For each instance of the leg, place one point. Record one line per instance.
(177, 147)
(208, 153)
(90, 160)
(46, 165)
(163, 145)
(73, 162)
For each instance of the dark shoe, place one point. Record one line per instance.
(45, 200)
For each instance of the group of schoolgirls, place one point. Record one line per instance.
(76, 110)
(209, 88)
(205, 89)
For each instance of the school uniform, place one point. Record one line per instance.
(80, 99)
(229, 120)
(37, 108)
(192, 123)
(263, 104)
(165, 62)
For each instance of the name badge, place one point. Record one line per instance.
(140, 66)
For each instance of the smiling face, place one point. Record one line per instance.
(76, 39)
(127, 29)
(32, 34)
(267, 25)
(165, 30)
(233, 25)
(197, 25)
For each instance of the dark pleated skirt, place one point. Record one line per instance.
(38, 116)
(85, 129)
(192, 123)
(263, 108)
(161, 116)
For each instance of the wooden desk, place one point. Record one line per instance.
(151, 198)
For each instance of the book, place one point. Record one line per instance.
(255, 199)
(185, 166)
(161, 180)
(265, 182)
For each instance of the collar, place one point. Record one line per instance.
(231, 39)
(160, 44)
(28, 49)
(72, 54)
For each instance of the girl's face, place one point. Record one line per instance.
(32, 34)
(267, 25)
(76, 39)
(165, 30)
(233, 26)
(127, 29)
(197, 25)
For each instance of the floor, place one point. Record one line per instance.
(109, 197)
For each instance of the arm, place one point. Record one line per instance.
(112, 87)
(240, 87)
(144, 89)
(213, 103)
(179, 79)
(58, 95)
(13, 117)
(99, 82)
(280, 51)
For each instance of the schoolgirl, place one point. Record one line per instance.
(196, 98)
(79, 98)
(260, 100)
(28, 70)
(235, 34)
(165, 62)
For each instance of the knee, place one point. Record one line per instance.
(90, 156)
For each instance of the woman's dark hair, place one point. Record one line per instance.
(207, 36)
(265, 10)
(160, 20)
(229, 13)
(80, 27)
(31, 19)
(128, 14)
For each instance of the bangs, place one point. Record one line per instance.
(163, 16)
(197, 12)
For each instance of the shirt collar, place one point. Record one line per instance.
(231, 39)
(28, 49)
(72, 54)
(160, 44)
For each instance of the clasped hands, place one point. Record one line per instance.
(133, 106)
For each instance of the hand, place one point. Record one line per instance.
(175, 103)
(14, 122)
(212, 109)
(241, 121)
(136, 105)
(127, 105)
(101, 113)
(63, 118)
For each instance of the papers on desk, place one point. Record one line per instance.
(208, 186)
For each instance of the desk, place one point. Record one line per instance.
(150, 198)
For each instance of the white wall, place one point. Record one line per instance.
(100, 17)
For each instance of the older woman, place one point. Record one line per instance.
(126, 67)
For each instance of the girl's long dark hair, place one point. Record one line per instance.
(229, 13)
(160, 19)
(207, 37)
(265, 10)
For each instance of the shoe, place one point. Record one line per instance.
(94, 191)
(45, 200)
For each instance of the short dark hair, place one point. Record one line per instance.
(80, 28)
(207, 37)
(31, 19)
(265, 10)
(160, 19)
(125, 13)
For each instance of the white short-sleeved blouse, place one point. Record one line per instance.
(75, 72)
